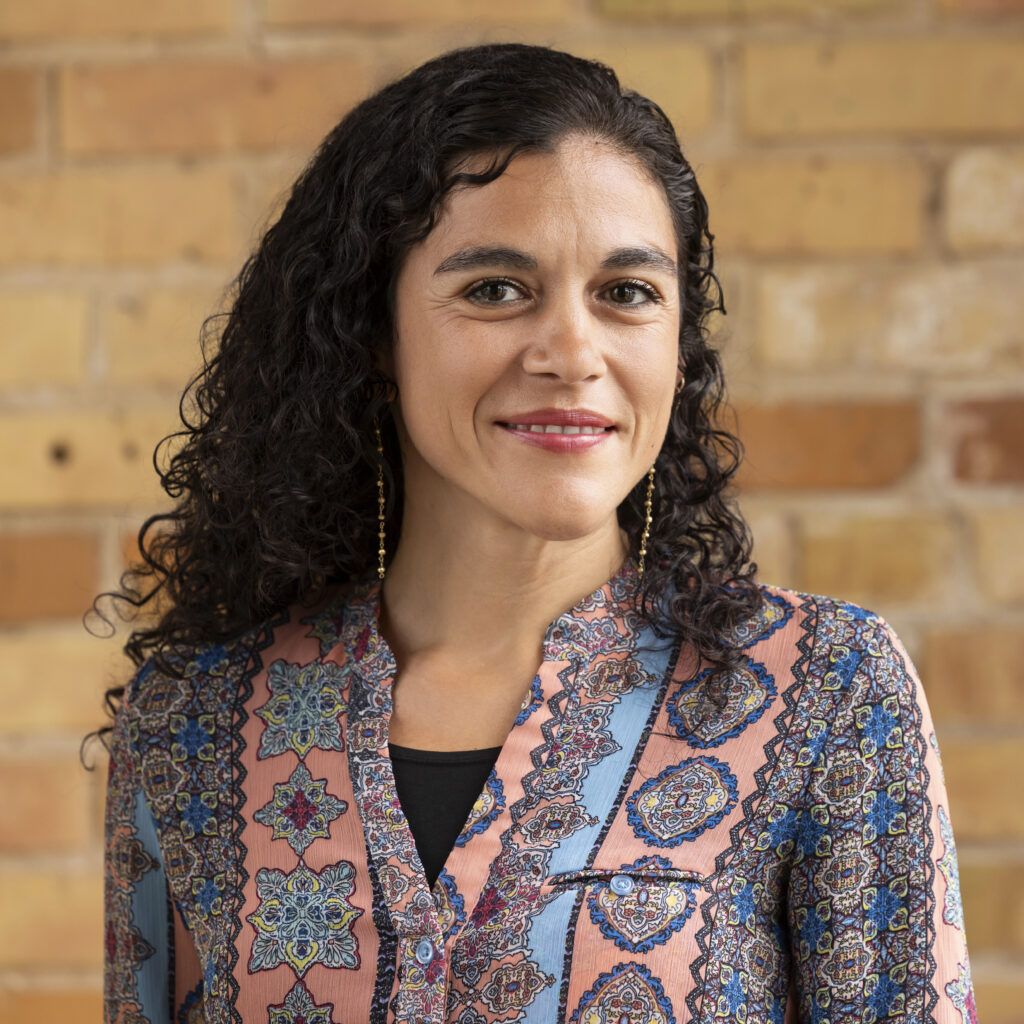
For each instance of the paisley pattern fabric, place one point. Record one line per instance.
(658, 843)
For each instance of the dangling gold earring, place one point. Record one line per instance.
(380, 503)
(647, 519)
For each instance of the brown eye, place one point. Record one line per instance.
(495, 292)
(632, 293)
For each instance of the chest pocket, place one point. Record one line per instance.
(638, 906)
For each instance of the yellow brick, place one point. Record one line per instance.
(739, 8)
(820, 206)
(97, 218)
(998, 998)
(982, 777)
(910, 87)
(773, 545)
(51, 919)
(19, 108)
(972, 673)
(78, 1006)
(46, 802)
(73, 18)
(153, 337)
(43, 337)
(935, 319)
(993, 897)
(678, 78)
(984, 200)
(205, 106)
(80, 460)
(876, 561)
(296, 13)
(999, 553)
(52, 680)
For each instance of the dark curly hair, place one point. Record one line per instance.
(274, 473)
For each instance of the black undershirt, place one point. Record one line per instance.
(437, 790)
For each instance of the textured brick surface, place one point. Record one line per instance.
(72, 1007)
(205, 106)
(884, 86)
(80, 460)
(973, 672)
(47, 575)
(679, 78)
(984, 200)
(102, 218)
(803, 446)
(989, 446)
(51, 791)
(984, 788)
(797, 206)
(44, 336)
(876, 560)
(999, 553)
(152, 337)
(933, 319)
(662, 9)
(52, 679)
(40, 906)
(993, 904)
(983, 7)
(72, 18)
(19, 109)
(401, 12)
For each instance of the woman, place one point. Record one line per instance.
(460, 424)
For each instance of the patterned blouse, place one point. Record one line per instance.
(655, 845)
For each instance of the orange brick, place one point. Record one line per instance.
(773, 544)
(152, 337)
(797, 205)
(108, 218)
(52, 918)
(19, 109)
(972, 673)
(74, 19)
(999, 998)
(679, 78)
(876, 560)
(983, 7)
(52, 680)
(661, 9)
(932, 319)
(993, 897)
(983, 200)
(989, 446)
(46, 800)
(47, 575)
(44, 337)
(303, 13)
(205, 106)
(884, 86)
(999, 553)
(81, 460)
(819, 445)
(984, 790)
(79, 1006)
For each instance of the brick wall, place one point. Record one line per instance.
(864, 161)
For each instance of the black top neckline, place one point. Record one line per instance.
(414, 756)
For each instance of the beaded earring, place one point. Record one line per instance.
(647, 520)
(380, 503)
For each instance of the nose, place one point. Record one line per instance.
(566, 343)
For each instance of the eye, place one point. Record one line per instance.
(633, 293)
(495, 291)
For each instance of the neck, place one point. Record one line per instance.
(487, 589)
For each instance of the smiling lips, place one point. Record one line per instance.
(559, 430)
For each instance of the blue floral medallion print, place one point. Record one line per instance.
(304, 709)
(302, 810)
(718, 706)
(489, 804)
(304, 918)
(299, 1008)
(682, 802)
(628, 992)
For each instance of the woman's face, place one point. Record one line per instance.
(537, 332)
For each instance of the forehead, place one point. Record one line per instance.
(585, 191)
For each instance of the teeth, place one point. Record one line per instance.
(550, 428)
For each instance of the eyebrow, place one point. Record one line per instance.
(479, 257)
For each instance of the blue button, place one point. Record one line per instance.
(621, 885)
(424, 951)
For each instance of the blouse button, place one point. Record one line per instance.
(424, 951)
(621, 885)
